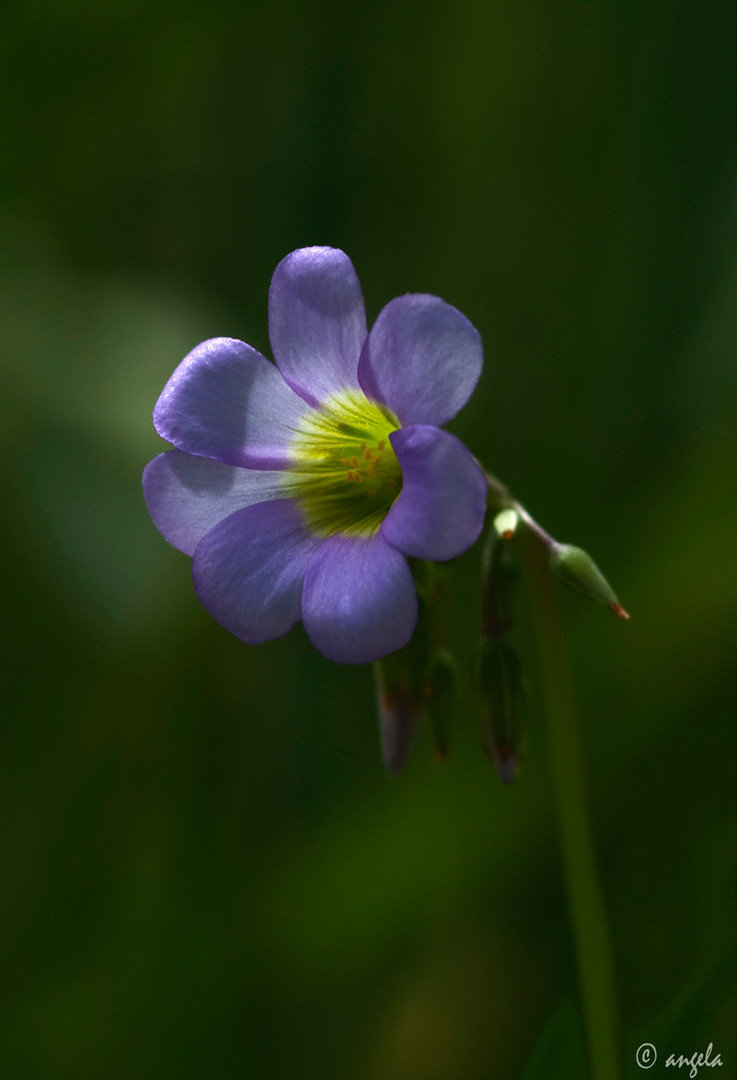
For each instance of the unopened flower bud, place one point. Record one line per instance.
(440, 699)
(506, 522)
(498, 696)
(576, 569)
(401, 680)
(500, 574)
(400, 714)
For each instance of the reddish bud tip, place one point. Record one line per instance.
(617, 609)
(505, 761)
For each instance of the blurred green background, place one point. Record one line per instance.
(205, 872)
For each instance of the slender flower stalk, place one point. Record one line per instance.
(588, 913)
(544, 561)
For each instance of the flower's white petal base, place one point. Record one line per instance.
(440, 510)
(359, 600)
(248, 571)
(422, 359)
(226, 401)
(317, 322)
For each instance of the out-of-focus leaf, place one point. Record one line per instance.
(704, 1009)
(559, 1052)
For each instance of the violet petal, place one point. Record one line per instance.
(187, 496)
(226, 401)
(422, 359)
(359, 599)
(248, 571)
(317, 322)
(440, 510)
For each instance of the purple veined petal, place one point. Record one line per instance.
(359, 600)
(317, 322)
(440, 510)
(187, 496)
(422, 359)
(248, 571)
(226, 401)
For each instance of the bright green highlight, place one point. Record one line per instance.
(506, 522)
(346, 475)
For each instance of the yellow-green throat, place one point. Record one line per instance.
(345, 475)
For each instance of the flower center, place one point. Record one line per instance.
(345, 476)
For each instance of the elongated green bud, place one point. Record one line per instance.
(440, 699)
(498, 694)
(576, 569)
(500, 575)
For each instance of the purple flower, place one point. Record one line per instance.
(300, 490)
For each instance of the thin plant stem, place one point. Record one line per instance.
(594, 958)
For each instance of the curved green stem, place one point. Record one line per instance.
(588, 914)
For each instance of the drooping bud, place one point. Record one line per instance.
(500, 574)
(576, 569)
(401, 681)
(498, 695)
(400, 714)
(440, 699)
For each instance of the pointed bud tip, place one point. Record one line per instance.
(578, 571)
(505, 762)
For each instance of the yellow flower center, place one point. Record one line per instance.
(346, 474)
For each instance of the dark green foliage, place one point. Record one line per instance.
(204, 871)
